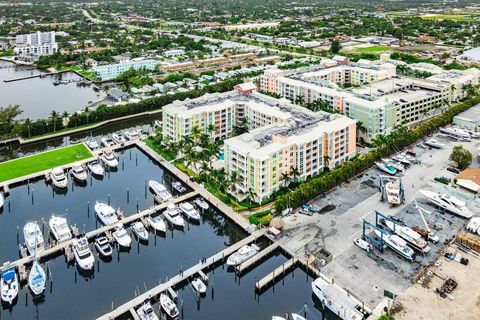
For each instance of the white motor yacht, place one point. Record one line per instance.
(118, 138)
(434, 144)
(413, 238)
(78, 172)
(122, 237)
(202, 204)
(37, 279)
(392, 189)
(157, 223)
(92, 143)
(189, 211)
(199, 286)
(160, 190)
(107, 142)
(337, 300)
(106, 213)
(362, 244)
(172, 214)
(96, 168)
(33, 238)
(59, 228)
(168, 306)
(139, 230)
(9, 285)
(109, 158)
(177, 186)
(83, 255)
(400, 158)
(133, 134)
(146, 312)
(59, 179)
(242, 254)
(397, 244)
(103, 246)
(473, 225)
(449, 203)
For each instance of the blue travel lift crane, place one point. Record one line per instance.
(383, 181)
(369, 227)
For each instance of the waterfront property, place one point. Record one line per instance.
(43, 161)
(36, 44)
(111, 71)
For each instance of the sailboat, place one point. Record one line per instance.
(37, 279)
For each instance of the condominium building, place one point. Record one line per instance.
(281, 136)
(36, 44)
(111, 71)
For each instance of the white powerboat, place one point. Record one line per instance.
(2, 200)
(386, 168)
(168, 306)
(78, 172)
(434, 144)
(407, 157)
(172, 214)
(337, 300)
(107, 142)
(96, 168)
(139, 230)
(160, 190)
(146, 312)
(362, 244)
(133, 134)
(177, 186)
(413, 238)
(122, 237)
(9, 285)
(83, 255)
(473, 225)
(396, 164)
(400, 158)
(157, 223)
(199, 286)
(106, 213)
(109, 158)
(449, 203)
(59, 228)
(202, 204)
(33, 238)
(242, 254)
(92, 143)
(118, 138)
(397, 244)
(103, 246)
(37, 279)
(456, 132)
(189, 211)
(392, 190)
(59, 179)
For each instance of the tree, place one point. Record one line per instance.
(7, 118)
(294, 173)
(335, 46)
(285, 178)
(462, 157)
(54, 118)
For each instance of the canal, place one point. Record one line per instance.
(38, 97)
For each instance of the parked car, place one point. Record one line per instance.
(454, 170)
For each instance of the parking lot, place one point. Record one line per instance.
(343, 210)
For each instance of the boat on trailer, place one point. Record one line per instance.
(448, 202)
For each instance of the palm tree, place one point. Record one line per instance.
(234, 179)
(54, 117)
(300, 100)
(285, 178)
(196, 133)
(28, 123)
(326, 162)
(294, 173)
(251, 195)
(211, 129)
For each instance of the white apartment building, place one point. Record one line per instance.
(174, 53)
(36, 44)
(111, 71)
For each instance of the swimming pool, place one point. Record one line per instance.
(222, 155)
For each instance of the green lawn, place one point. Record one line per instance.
(453, 17)
(42, 161)
(373, 49)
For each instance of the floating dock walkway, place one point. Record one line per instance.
(279, 272)
(220, 256)
(256, 258)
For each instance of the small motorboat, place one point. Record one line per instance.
(9, 285)
(109, 158)
(395, 164)
(402, 159)
(118, 138)
(103, 246)
(189, 211)
(59, 228)
(177, 186)
(83, 255)
(122, 237)
(92, 143)
(434, 144)
(408, 156)
(168, 306)
(202, 204)
(160, 190)
(243, 254)
(2, 200)
(199, 286)
(59, 179)
(96, 168)
(37, 279)
(106, 213)
(107, 142)
(386, 168)
(172, 214)
(157, 223)
(33, 238)
(146, 312)
(133, 134)
(139, 230)
(78, 172)
(362, 244)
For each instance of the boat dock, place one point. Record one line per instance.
(256, 258)
(182, 276)
(275, 274)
